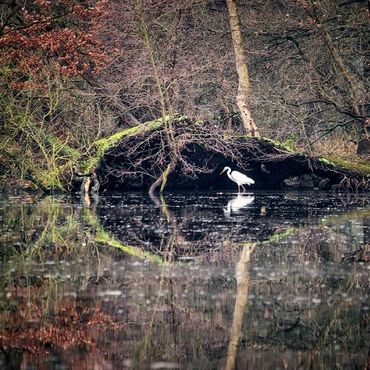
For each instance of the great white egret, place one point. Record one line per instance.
(238, 177)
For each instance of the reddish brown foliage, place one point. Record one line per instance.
(62, 35)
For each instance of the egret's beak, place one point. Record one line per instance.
(222, 171)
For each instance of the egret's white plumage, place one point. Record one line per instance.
(238, 178)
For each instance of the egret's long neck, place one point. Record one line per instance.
(229, 173)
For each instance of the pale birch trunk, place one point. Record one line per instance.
(242, 70)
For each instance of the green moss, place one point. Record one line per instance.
(325, 161)
(49, 179)
(290, 142)
(360, 166)
(164, 177)
(277, 237)
(103, 237)
(287, 146)
(281, 235)
(102, 145)
(356, 214)
(60, 146)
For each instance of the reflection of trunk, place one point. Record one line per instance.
(170, 243)
(242, 281)
(242, 70)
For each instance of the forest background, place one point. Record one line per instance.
(73, 72)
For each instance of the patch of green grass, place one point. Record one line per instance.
(287, 145)
(281, 235)
(356, 214)
(360, 166)
(325, 161)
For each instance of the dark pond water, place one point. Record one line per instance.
(205, 281)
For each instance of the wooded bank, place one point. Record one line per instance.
(134, 159)
(78, 78)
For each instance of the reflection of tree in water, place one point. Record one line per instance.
(173, 232)
(66, 322)
(42, 311)
(290, 330)
(302, 293)
(241, 301)
(198, 226)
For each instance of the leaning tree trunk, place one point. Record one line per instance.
(242, 70)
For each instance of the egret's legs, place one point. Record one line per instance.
(244, 190)
(238, 188)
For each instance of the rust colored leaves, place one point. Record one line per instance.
(61, 35)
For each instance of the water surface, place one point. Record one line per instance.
(192, 281)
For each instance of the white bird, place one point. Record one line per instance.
(238, 177)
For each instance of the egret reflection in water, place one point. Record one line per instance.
(234, 205)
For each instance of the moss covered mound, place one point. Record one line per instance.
(133, 159)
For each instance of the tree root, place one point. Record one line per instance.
(162, 179)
